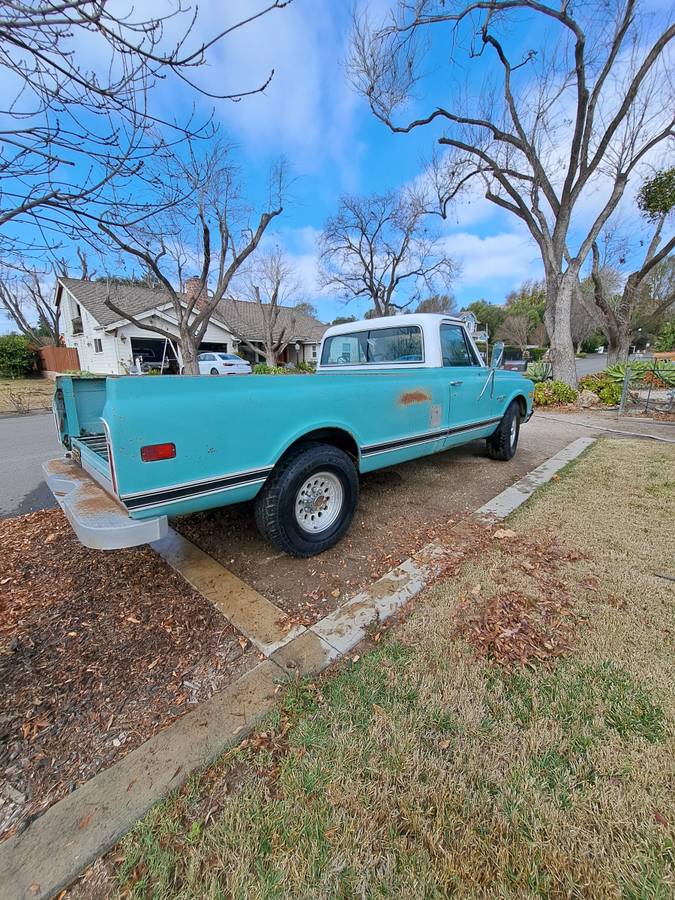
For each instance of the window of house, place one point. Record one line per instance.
(313, 351)
(379, 345)
(455, 349)
(98, 345)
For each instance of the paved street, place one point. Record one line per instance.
(25, 443)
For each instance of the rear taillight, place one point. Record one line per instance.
(154, 452)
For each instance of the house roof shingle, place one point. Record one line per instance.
(243, 317)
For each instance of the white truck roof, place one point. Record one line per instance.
(429, 323)
(424, 320)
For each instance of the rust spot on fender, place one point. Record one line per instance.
(411, 397)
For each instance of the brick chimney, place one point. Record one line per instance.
(192, 291)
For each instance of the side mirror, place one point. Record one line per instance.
(497, 354)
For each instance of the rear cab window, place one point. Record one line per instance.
(399, 346)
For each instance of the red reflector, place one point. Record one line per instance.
(153, 452)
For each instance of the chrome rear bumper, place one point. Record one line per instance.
(98, 520)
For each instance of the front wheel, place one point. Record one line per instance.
(308, 502)
(214, 371)
(503, 443)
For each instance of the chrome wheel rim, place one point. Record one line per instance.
(514, 431)
(318, 502)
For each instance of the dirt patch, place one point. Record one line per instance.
(400, 510)
(98, 652)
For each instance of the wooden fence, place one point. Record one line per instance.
(58, 359)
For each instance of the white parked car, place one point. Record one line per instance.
(222, 364)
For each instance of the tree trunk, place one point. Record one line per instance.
(189, 351)
(618, 346)
(559, 291)
(270, 358)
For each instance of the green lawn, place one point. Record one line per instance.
(22, 395)
(425, 768)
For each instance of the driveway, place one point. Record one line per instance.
(25, 443)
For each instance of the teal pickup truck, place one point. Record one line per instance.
(140, 449)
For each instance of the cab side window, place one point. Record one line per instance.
(455, 348)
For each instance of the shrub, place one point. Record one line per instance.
(264, 369)
(16, 358)
(554, 393)
(538, 371)
(307, 368)
(661, 370)
(666, 339)
(610, 394)
(595, 382)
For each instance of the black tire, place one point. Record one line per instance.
(275, 505)
(504, 442)
(214, 371)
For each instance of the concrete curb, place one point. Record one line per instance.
(59, 845)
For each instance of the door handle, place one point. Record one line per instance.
(456, 383)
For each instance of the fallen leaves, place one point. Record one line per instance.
(102, 651)
(513, 628)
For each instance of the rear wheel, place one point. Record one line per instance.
(504, 442)
(308, 502)
(214, 371)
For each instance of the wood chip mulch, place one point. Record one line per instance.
(98, 652)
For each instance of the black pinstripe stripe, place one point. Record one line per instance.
(429, 436)
(167, 495)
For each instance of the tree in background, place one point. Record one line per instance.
(490, 315)
(618, 313)
(529, 300)
(26, 295)
(79, 111)
(306, 309)
(547, 125)
(211, 224)
(381, 248)
(515, 331)
(343, 320)
(438, 303)
(271, 282)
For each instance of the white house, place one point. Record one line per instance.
(109, 344)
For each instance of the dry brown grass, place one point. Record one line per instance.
(22, 395)
(423, 770)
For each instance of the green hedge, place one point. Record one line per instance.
(16, 357)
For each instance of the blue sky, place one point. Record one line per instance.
(311, 116)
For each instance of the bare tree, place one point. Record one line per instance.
(209, 228)
(514, 331)
(548, 125)
(617, 317)
(78, 80)
(272, 283)
(381, 248)
(437, 303)
(26, 295)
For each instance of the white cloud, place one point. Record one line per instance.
(493, 262)
(307, 110)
